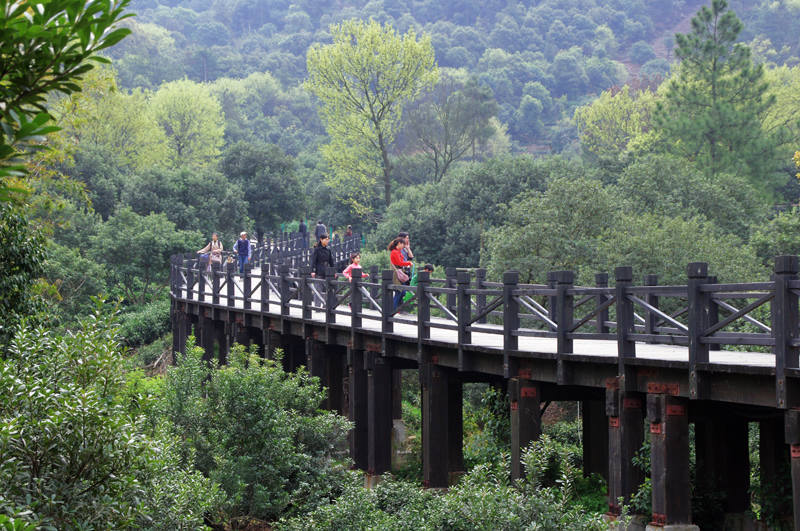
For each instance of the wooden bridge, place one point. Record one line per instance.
(716, 355)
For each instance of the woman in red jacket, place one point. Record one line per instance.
(397, 260)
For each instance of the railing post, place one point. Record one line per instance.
(565, 310)
(423, 306)
(247, 286)
(356, 299)
(510, 322)
(601, 281)
(283, 288)
(330, 296)
(230, 289)
(698, 324)
(650, 319)
(480, 300)
(187, 263)
(387, 302)
(215, 273)
(463, 314)
(202, 280)
(552, 282)
(784, 326)
(713, 312)
(450, 277)
(306, 295)
(265, 292)
(626, 348)
(374, 274)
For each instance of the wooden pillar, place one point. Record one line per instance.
(379, 414)
(397, 394)
(669, 459)
(335, 371)
(455, 427)
(625, 437)
(207, 337)
(595, 438)
(222, 335)
(723, 460)
(180, 331)
(526, 423)
(792, 433)
(435, 446)
(774, 463)
(357, 401)
(317, 366)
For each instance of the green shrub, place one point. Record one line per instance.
(144, 324)
(75, 454)
(258, 432)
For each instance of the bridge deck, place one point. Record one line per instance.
(597, 348)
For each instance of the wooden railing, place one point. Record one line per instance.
(701, 315)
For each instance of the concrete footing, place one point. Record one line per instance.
(673, 527)
(631, 523)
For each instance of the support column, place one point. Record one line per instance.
(526, 422)
(181, 328)
(792, 432)
(397, 394)
(223, 344)
(207, 337)
(379, 414)
(435, 447)
(455, 428)
(774, 463)
(358, 405)
(625, 437)
(316, 363)
(595, 438)
(335, 370)
(669, 461)
(723, 461)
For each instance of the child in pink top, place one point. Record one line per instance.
(355, 263)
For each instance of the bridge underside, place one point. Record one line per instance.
(621, 398)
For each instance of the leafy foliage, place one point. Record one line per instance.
(45, 46)
(257, 431)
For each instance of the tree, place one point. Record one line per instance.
(714, 108)
(21, 264)
(449, 121)
(136, 249)
(267, 177)
(103, 118)
(191, 117)
(44, 47)
(616, 126)
(364, 79)
(75, 455)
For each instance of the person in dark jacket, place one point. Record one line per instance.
(303, 230)
(321, 260)
(243, 250)
(319, 230)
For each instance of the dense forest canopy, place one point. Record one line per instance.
(529, 135)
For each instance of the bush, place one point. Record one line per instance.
(144, 324)
(258, 432)
(75, 454)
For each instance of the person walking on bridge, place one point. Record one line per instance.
(214, 250)
(398, 263)
(243, 251)
(319, 230)
(303, 230)
(321, 260)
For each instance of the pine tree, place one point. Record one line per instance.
(714, 109)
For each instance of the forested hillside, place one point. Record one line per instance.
(529, 135)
